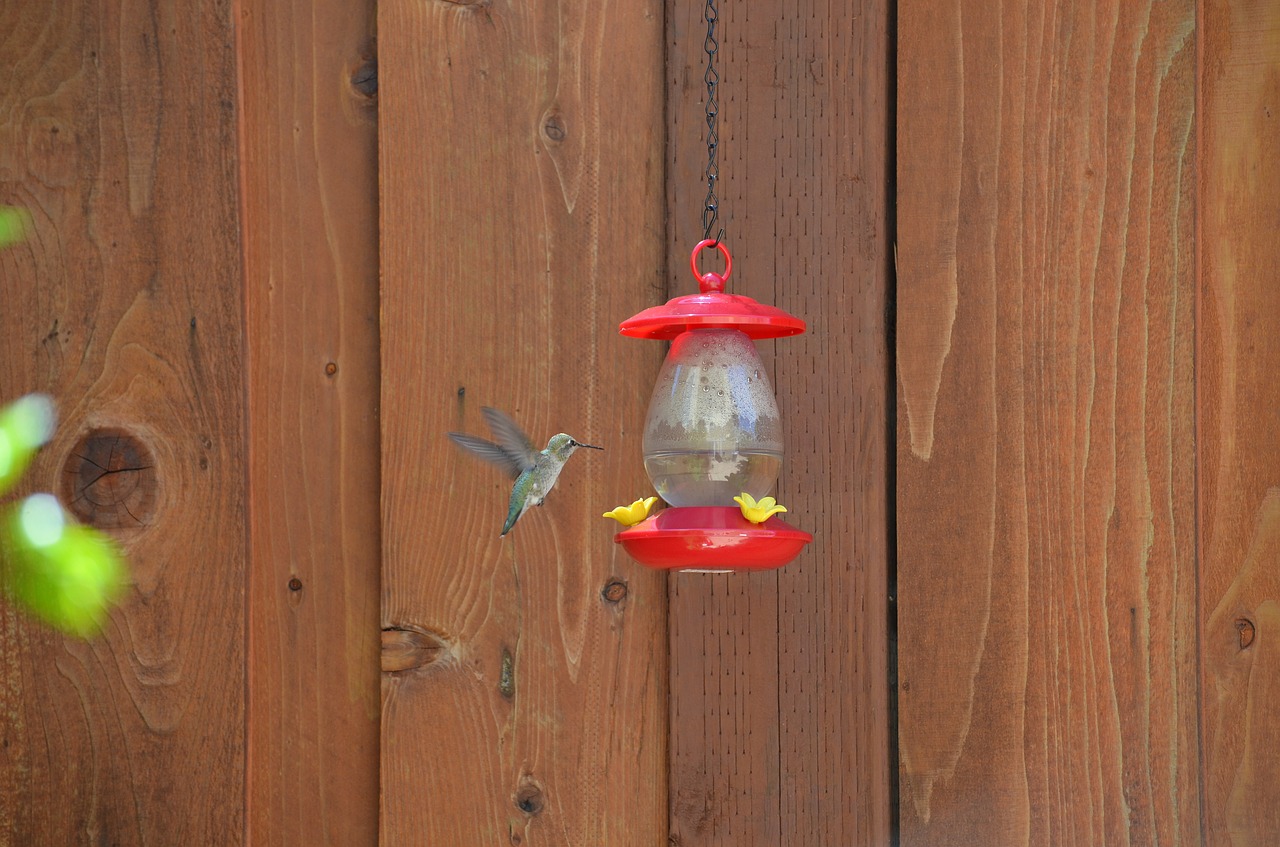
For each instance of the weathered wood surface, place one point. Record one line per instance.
(1239, 420)
(521, 158)
(309, 180)
(118, 132)
(779, 692)
(1046, 451)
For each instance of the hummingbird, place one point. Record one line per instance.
(535, 472)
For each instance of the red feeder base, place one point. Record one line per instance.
(711, 538)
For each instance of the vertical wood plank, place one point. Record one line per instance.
(1239, 428)
(1046, 510)
(118, 132)
(779, 681)
(521, 205)
(309, 177)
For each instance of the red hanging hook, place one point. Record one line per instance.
(711, 282)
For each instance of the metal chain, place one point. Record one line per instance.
(711, 208)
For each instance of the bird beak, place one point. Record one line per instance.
(590, 446)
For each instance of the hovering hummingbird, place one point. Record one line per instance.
(535, 472)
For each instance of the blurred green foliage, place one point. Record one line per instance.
(66, 574)
(24, 427)
(15, 223)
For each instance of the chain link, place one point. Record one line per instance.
(711, 208)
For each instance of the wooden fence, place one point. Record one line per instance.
(281, 248)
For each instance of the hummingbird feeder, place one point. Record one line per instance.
(713, 435)
(712, 432)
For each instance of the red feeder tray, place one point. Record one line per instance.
(711, 538)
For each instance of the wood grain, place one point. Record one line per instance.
(521, 207)
(1046, 458)
(779, 692)
(1238, 358)
(118, 132)
(309, 181)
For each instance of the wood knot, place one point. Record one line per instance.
(1245, 629)
(364, 79)
(407, 648)
(529, 797)
(554, 129)
(615, 591)
(109, 480)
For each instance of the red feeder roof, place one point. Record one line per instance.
(712, 309)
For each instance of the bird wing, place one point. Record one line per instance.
(511, 438)
(513, 452)
(488, 451)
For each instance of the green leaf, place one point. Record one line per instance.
(15, 223)
(65, 573)
(25, 426)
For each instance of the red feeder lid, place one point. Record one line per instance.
(712, 309)
(711, 538)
